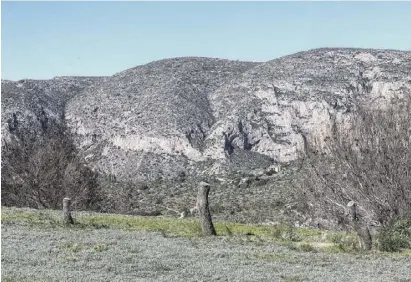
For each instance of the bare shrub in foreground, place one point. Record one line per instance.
(368, 162)
(41, 174)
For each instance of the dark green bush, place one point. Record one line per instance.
(396, 237)
(391, 243)
(307, 247)
(402, 227)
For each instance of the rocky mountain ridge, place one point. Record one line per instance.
(205, 116)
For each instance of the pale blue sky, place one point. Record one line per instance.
(47, 39)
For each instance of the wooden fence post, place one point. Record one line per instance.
(203, 209)
(360, 227)
(353, 210)
(67, 219)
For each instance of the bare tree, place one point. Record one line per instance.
(367, 161)
(40, 174)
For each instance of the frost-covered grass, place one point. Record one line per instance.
(109, 247)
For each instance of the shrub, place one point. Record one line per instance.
(402, 227)
(42, 173)
(291, 234)
(276, 232)
(389, 242)
(396, 237)
(366, 159)
(307, 247)
(336, 238)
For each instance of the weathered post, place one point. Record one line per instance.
(67, 219)
(360, 227)
(203, 209)
(353, 211)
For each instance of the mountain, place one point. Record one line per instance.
(151, 121)
(204, 117)
(189, 114)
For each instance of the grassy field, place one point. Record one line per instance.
(110, 247)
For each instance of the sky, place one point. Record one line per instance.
(41, 40)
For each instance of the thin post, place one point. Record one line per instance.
(353, 210)
(67, 218)
(203, 209)
(360, 227)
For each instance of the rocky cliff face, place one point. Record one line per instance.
(205, 116)
(275, 103)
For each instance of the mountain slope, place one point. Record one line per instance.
(201, 115)
(152, 120)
